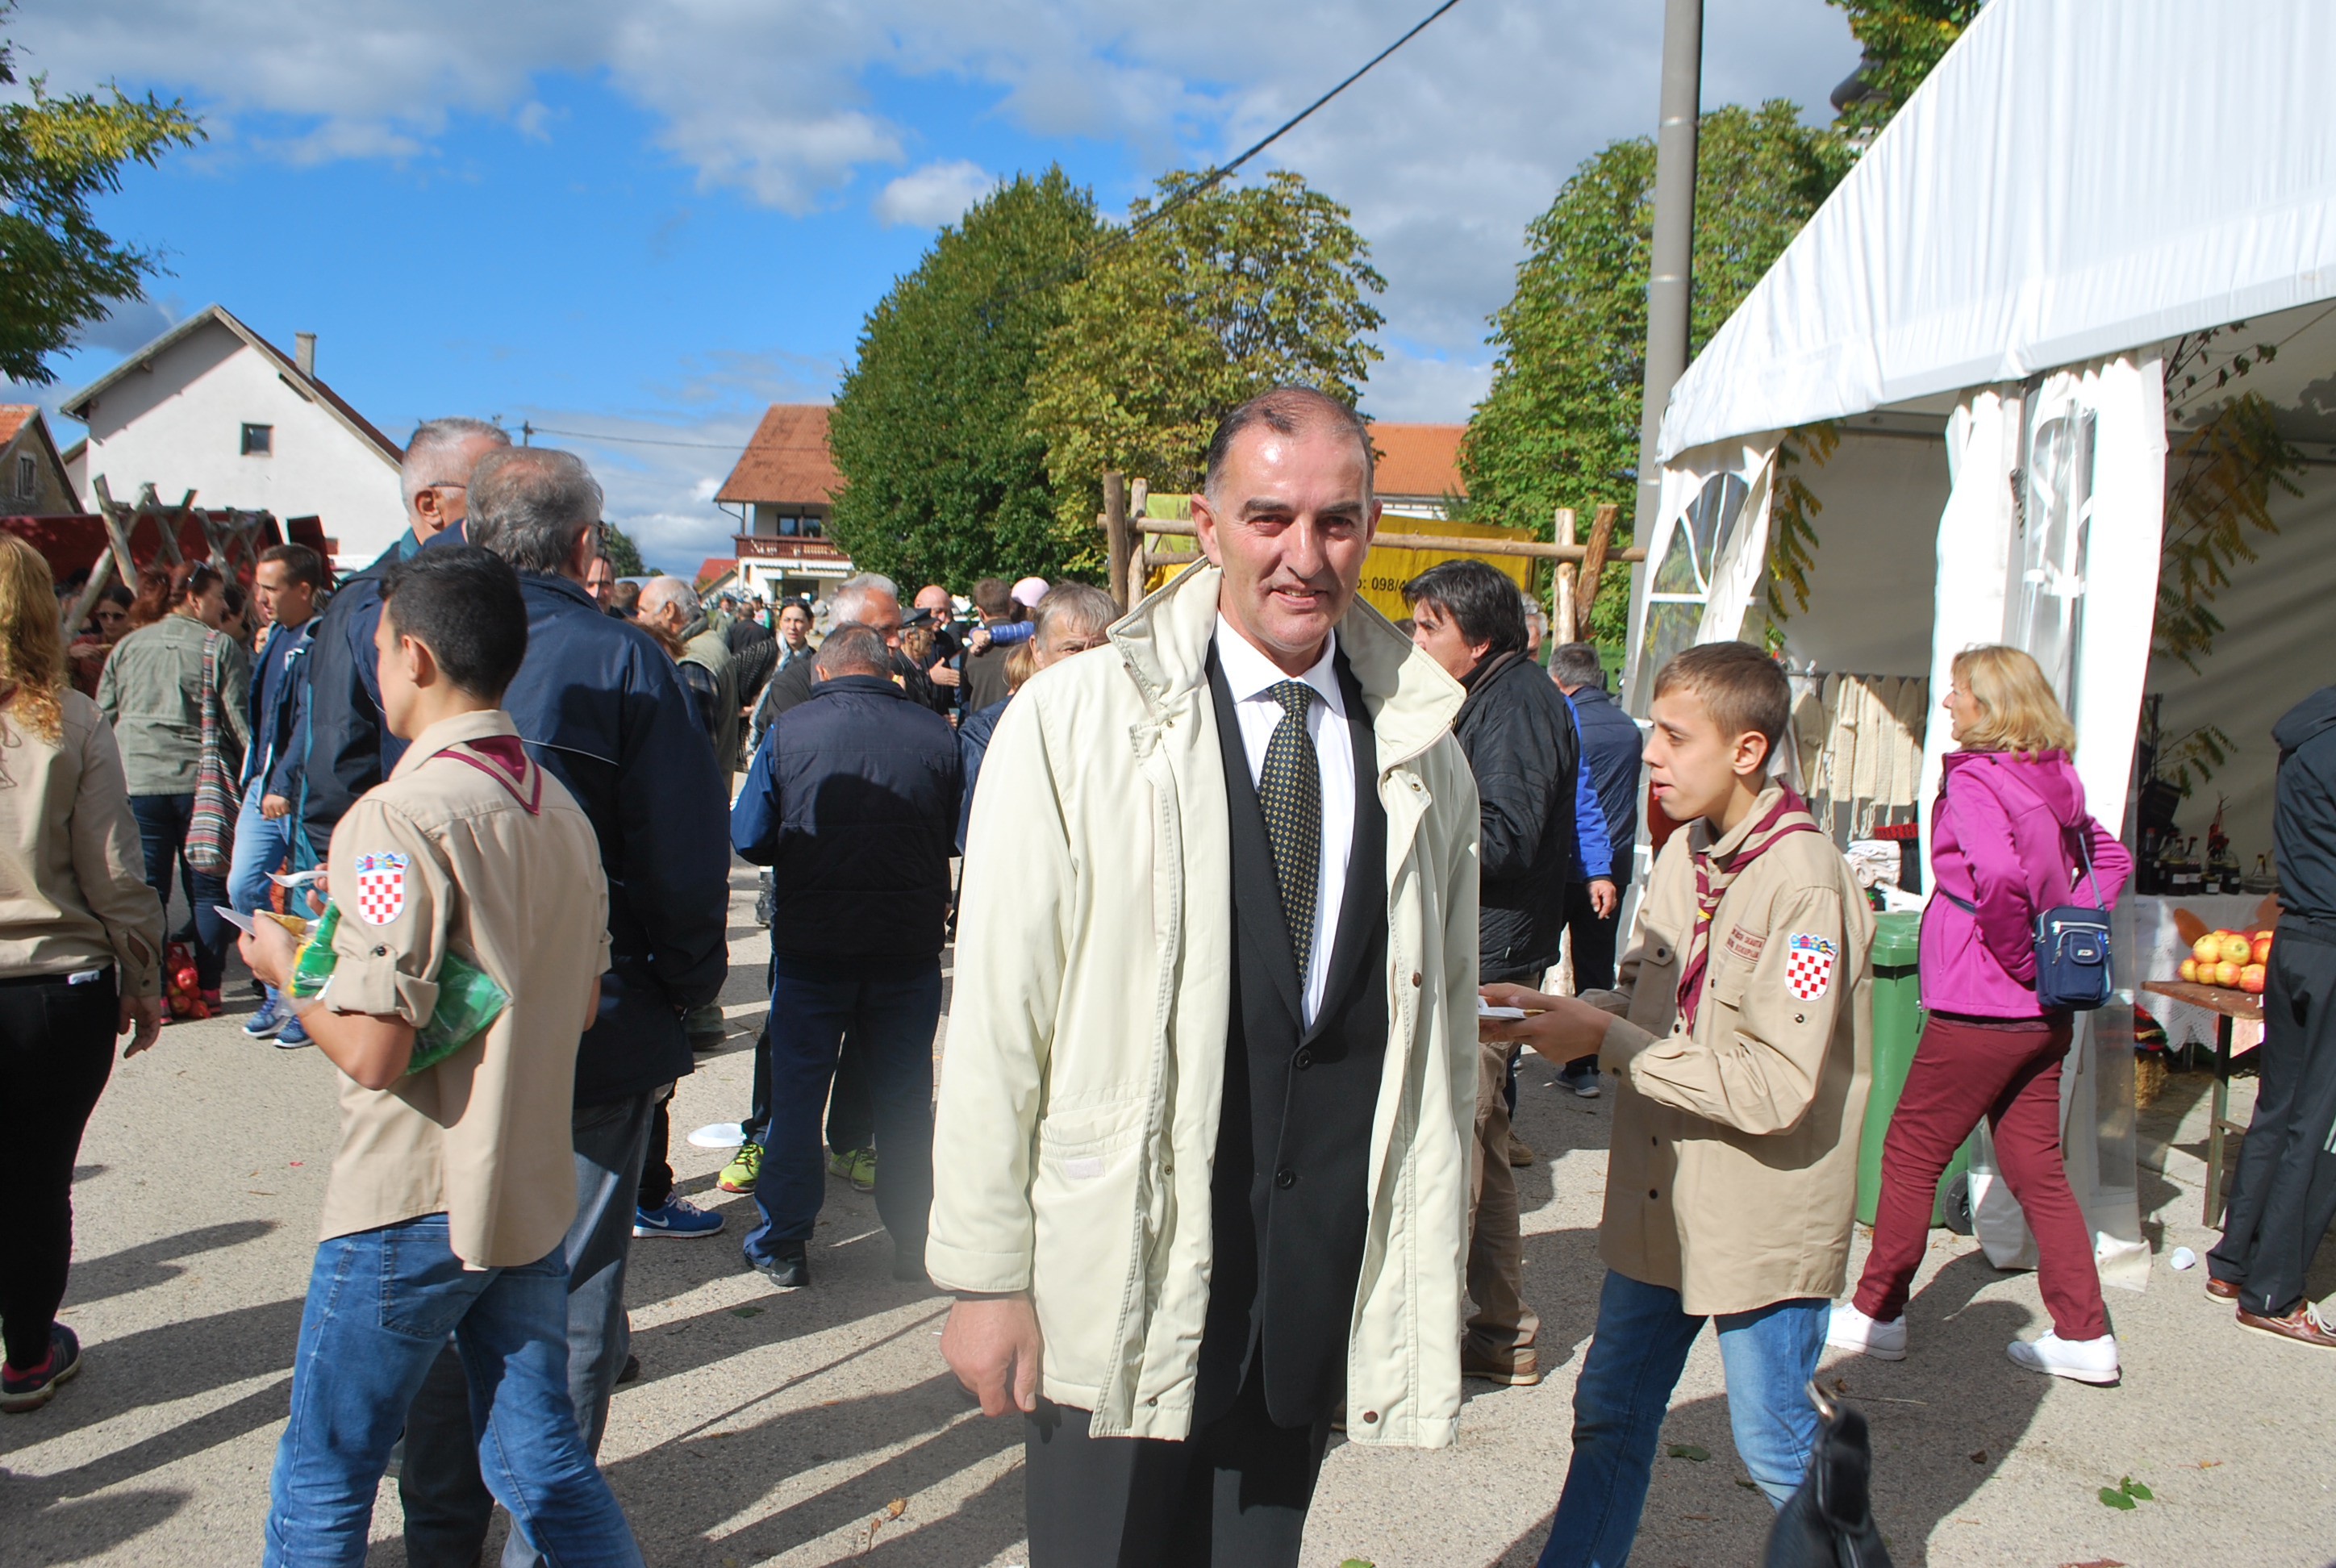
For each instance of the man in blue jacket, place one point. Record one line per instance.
(601, 710)
(853, 797)
(1611, 745)
(286, 582)
(349, 750)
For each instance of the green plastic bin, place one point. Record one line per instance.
(1897, 1026)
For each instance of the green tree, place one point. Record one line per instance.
(945, 480)
(57, 267)
(1182, 316)
(623, 555)
(1903, 39)
(1560, 425)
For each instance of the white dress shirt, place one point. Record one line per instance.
(1251, 677)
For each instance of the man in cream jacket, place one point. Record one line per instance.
(1201, 1149)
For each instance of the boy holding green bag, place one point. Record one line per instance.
(468, 883)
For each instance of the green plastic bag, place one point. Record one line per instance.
(469, 1000)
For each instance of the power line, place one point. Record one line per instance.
(1216, 176)
(529, 430)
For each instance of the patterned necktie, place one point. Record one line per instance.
(1290, 789)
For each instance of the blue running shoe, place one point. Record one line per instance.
(292, 1036)
(678, 1217)
(270, 1020)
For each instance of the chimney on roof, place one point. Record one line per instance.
(303, 354)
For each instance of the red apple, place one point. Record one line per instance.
(2262, 953)
(2236, 948)
(2250, 979)
(2226, 973)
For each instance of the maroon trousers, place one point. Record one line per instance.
(1964, 1070)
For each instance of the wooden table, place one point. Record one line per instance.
(2228, 1005)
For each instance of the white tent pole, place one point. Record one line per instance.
(1672, 269)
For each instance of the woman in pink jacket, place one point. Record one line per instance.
(2005, 839)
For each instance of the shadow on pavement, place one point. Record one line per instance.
(679, 1492)
(151, 1263)
(77, 1531)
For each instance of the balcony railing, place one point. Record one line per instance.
(777, 547)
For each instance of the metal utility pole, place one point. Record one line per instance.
(1672, 275)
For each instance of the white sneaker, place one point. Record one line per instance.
(2086, 1360)
(1852, 1329)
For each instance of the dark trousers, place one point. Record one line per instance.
(851, 1109)
(162, 833)
(893, 1021)
(656, 1166)
(446, 1502)
(56, 1051)
(1234, 1496)
(2284, 1194)
(1962, 1072)
(1593, 951)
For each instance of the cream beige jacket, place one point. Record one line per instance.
(72, 878)
(1085, 1054)
(1734, 1170)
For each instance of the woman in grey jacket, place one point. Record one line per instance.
(152, 694)
(80, 947)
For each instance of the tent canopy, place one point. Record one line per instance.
(2075, 179)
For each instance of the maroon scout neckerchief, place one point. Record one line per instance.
(502, 759)
(1713, 878)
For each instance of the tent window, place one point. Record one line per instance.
(2046, 596)
(1682, 582)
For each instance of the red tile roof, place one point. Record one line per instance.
(715, 565)
(1418, 459)
(12, 416)
(787, 460)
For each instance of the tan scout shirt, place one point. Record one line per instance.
(1734, 1169)
(447, 855)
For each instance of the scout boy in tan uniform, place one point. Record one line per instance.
(1738, 1036)
(453, 1188)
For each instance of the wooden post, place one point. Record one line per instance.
(1562, 599)
(117, 531)
(1115, 515)
(1594, 557)
(1139, 495)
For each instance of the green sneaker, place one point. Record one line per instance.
(857, 1166)
(746, 1167)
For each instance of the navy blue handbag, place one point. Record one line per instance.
(2072, 947)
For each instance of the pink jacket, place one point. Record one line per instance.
(2001, 842)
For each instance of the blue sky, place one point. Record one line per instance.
(649, 218)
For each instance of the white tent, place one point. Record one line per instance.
(1985, 310)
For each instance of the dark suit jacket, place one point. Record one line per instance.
(1293, 1144)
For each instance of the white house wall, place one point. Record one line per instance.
(181, 427)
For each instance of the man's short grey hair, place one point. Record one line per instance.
(1286, 410)
(433, 456)
(659, 591)
(1072, 607)
(530, 504)
(1576, 664)
(853, 595)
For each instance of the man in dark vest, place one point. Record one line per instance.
(1209, 1084)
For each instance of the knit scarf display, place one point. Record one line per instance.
(1715, 875)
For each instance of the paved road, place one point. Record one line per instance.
(777, 1429)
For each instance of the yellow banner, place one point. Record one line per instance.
(1384, 569)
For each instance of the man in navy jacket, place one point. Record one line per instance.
(1610, 744)
(852, 798)
(602, 710)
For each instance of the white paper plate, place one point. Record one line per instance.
(719, 1135)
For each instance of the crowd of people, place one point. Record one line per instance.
(1253, 912)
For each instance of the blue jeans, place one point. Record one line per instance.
(1633, 1365)
(381, 1304)
(447, 1506)
(892, 1022)
(261, 846)
(162, 834)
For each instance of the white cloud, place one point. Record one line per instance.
(933, 195)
